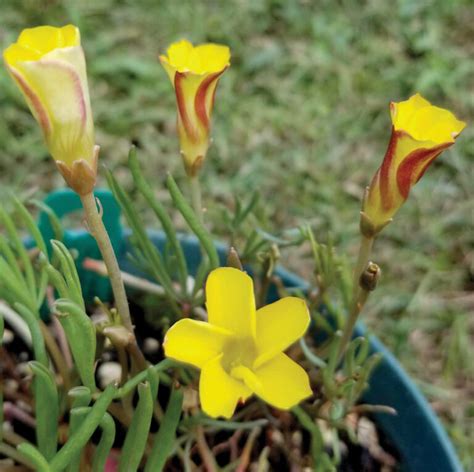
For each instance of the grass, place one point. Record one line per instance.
(302, 116)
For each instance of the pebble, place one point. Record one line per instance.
(151, 345)
(108, 373)
(8, 336)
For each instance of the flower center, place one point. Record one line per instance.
(239, 352)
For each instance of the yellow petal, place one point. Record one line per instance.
(16, 53)
(170, 70)
(57, 83)
(194, 342)
(400, 111)
(231, 301)
(34, 43)
(44, 39)
(425, 122)
(182, 56)
(219, 392)
(279, 325)
(282, 382)
(209, 58)
(178, 54)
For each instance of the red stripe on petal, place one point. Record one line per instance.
(35, 102)
(415, 165)
(181, 102)
(201, 96)
(386, 195)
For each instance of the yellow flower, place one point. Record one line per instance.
(240, 350)
(49, 67)
(194, 72)
(420, 132)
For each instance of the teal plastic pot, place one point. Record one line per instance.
(415, 432)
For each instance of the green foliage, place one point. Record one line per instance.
(47, 418)
(80, 333)
(302, 105)
(164, 440)
(137, 435)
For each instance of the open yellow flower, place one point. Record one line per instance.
(194, 72)
(420, 132)
(49, 67)
(240, 349)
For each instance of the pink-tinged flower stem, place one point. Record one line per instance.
(98, 231)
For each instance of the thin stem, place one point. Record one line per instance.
(98, 231)
(12, 453)
(206, 454)
(362, 260)
(359, 295)
(196, 199)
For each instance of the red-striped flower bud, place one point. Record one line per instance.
(420, 132)
(194, 73)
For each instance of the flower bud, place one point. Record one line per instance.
(194, 72)
(420, 132)
(49, 67)
(370, 277)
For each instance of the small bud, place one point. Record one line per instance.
(233, 259)
(370, 277)
(119, 335)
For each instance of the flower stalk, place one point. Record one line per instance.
(98, 231)
(359, 292)
(196, 197)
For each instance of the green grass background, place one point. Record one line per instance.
(302, 116)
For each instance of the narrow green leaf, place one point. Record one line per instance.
(80, 333)
(55, 222)
(7, 252)
(317, 441)
(15, 288)
(154, 379)
(150, 252)
(242, 214)
(313, 358)
(161, 214)
(142, 376)
(79, 439)
(19, 247)
(46, 409)
(69, 272)
(76, 418)
(33, 322)
(193, 221)
(164, 439)
(30, 224)
(80, 396)
(34, 456)
(361, 356)
(135, 441)
(57, 280)
(107, 425)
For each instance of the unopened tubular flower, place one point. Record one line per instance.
(49, 67)
(420, 132)
(240, 349)
(194, 72)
